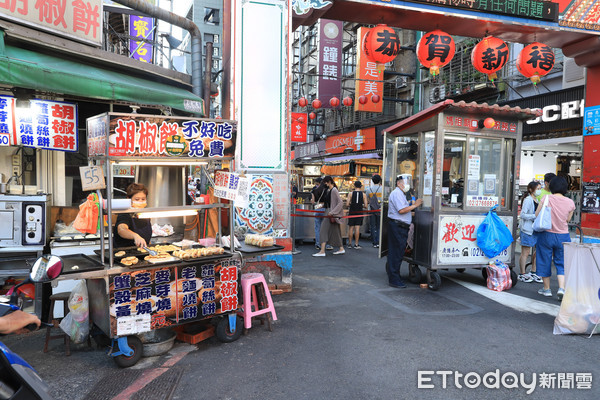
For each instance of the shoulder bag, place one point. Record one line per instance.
(543, 221)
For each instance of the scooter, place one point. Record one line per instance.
(18, 379)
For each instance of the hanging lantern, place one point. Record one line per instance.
(334, 102)
(489, 56)
(312, 115)
(375, 98)
(381, 44)
(347, 101)
(316, 103)
(535, 61)
(434, 50)
(302, 102)
(362, 99)
(489, 123)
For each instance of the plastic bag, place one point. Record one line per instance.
(492, 235)
(580, 307)
(87, 218)
(498, 276)
(76, 322)
(543, 221)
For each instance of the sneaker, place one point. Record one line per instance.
(376, 245)
(560, 294)
(536, 278)
(317, 247)
(357, 246)
(329, 247)
(545, 292)
(319, 255)
(399, 285)
(349, 245)
(525, 278)
(339, 252)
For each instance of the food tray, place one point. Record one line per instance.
(83, 262)
(249, 249)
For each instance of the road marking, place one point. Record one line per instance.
(516, 302)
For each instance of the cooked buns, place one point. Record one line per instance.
(259, 240)
(198, 253)
(129, 260)
(120, 253)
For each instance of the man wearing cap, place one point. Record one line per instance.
(399, 220)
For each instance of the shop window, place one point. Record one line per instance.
(452, 170)
(211, 16)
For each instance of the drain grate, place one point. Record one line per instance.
(161, 388)
(113, 384)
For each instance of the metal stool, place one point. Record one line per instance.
(64, 297)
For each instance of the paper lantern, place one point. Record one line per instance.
(334, 102)
(362, 99)
(489, 123)
(312, 115)
(316, 103)
(381, 44)
(347, 101)
(535, 61)
(302, 102)
(435, 49)
(375, 98)
(489, 56)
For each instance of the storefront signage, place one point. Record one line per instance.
(299, 127)
(368, 170)
(473, 124)
(123, 171)
(152, 299)
(135, 135)
(457, 241)
(312, 149)
(590, 202)
(50, 125)
(557, 112)
(142, 28)
(481, 201)
(78, 19)
(591, 121)
(362, 139)
(369, 79)
(232, 186)
(330, 60)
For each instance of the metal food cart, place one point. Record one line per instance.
(463, 158)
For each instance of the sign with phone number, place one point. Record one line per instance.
(482, 201)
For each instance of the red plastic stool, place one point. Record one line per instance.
(257, 299)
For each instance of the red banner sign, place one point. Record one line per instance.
(299, 127)
(362, 139)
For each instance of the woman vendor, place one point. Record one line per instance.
(132, 231)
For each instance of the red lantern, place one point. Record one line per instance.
(375, 98)
(316, 103)
(435, 49)
(381, 44)
(312, 115)
(347, 101)
(334, 102)
(535, 61)
(489, 123)
(489, 56)
(362, 99)
(302, 102)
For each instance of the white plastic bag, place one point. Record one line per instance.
(580, 306)
(76, 322)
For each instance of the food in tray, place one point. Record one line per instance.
(130, 260)
(120, 253)
(259, 240)
(160, 248)
(158, 257)
(197, 253)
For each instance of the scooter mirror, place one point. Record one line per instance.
(46, 268)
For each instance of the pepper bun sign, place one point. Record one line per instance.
(381, 44)
(535, 61)
(435, 49)
(489, 56)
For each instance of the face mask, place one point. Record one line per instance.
(538, 192)
(138, 204)
(406, 188)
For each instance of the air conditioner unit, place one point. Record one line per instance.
(401, 82)
(437, 94)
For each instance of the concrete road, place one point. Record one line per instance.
(344, 334)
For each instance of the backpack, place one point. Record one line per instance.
(373, 199)
(498, 276)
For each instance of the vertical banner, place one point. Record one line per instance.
(143, 28)
(330, 60)
(299, 127)
(260, 81)
(369, 78)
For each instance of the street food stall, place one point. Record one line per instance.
(136, 291)
(461, 159)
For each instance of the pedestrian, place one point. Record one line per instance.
(331, 231)
(528, 237)
(550, 243)
(357, 203)
(374, 193)
(400, 218)
(546, 189)
(319, 195)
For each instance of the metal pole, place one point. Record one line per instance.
(208, 77)
(226, 57)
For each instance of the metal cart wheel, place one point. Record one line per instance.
(224, 334)
(135, 344)
(434, 280)
(461, 270)
(514, 278)
(414, 273)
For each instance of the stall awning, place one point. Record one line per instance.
(337, 170)
(31, 70)
(353, 157)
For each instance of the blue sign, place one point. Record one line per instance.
(591, 121)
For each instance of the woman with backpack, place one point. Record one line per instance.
(357, 203)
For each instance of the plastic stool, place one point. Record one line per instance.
(257, 299)
(64, 297)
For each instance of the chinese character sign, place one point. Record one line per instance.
(299, 127)
(330, 60)
(369, 79)
(435, 49)
(48, 125)
(158, 136)
(535, 61)
(142, 28)
(77, 19)
(489, 56)
(231, 186)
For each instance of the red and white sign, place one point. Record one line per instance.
(362, 139)
(299, 127)
(369, 79)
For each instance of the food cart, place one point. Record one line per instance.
(130, 299)
(462, 159)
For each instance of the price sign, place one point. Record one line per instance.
(92, 178)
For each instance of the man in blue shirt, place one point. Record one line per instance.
(399, 220)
